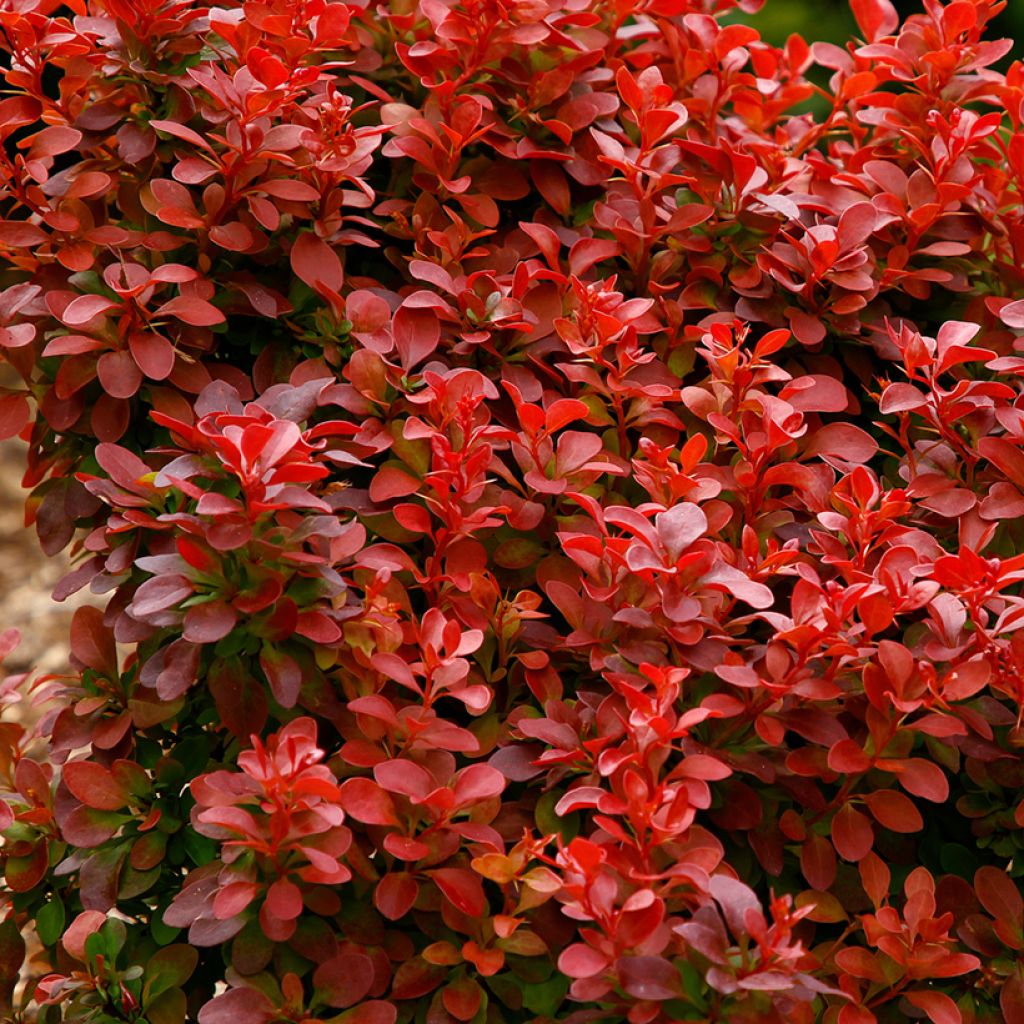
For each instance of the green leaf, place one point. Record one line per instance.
(959, 860)
(135, 883)
(943, 753)
(507, 989)
(108, 941)
(201, 849)
(681, 361)
(162, 933)
(372, 1011)
(415, 454)
(545, 999)
(518, 553)
(50, 921)
(693, 985)
(567, 825)
(676, 1010)
(168, 968)
(168, 1008)
(583, 213)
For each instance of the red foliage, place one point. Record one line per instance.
(557, 473)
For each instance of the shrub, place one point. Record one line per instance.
(556, 475)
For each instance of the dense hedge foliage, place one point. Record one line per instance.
(557, 502)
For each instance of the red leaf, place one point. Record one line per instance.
(1011, 998)
(233, 899)
(209, 622)
(344, 979)
(54, 140)
(735, 898)
(807, 329)
(392, 482)
(462, 888)
(237, 1005)
(122, 466)
(876, 18)
(369, 315)
(462, 998)
(414, 518)
(119, 374)
(406, 777)
(1012, 314)
(588, 251)
(395, 894)
(235, 237)
(901, 398)
(679, 527)
(860, 963)
(842, 441)
(416, 978)
(477, 782)
(563, 412)
(848, 758)
(416, 333)
(175, 273)
(15, 412)
(317, 626)
(12, 957)
(316, 263)
(20, 234)
(365, 801)
(92, 643)
(552, 184)
(180, 667)
(241, 700)
(81, 310)
(924, 779)
(875, 877)
(88, 828)
(547, 241)
(999, 895)
(939, 1007)
(894, 811)
(816, 393)
(850, 1014)
(181, 131)
(771, 343)
(704, 766)
(284, 900)
(288, 188)
(818, 861)
(283, 674)
(575, 449)
(95, 786)
(1006, 457)
(648, 978)
(405, 848)
(852, 834)
(191, 310)
(153, 353)
(195, 554)
(373, 1011)
(22, 874)
(582, 961)
(85, 924)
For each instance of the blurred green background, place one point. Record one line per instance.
(831, 20)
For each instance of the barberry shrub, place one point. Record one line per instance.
(554, 474)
